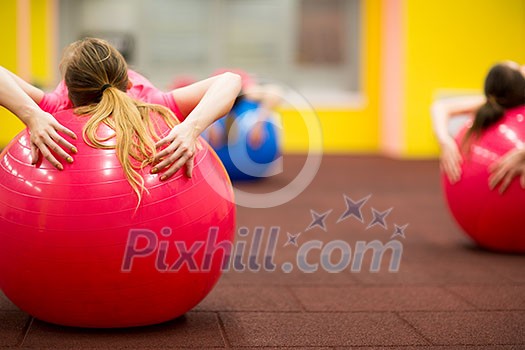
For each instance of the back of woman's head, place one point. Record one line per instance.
(90, 65)
(96, 76)
(504, 89)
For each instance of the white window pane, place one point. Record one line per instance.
(178, 32)
(251, 32)
(322, 32)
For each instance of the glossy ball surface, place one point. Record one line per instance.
(65, 236)
(494, 221)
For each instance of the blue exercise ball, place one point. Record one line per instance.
(241, 160)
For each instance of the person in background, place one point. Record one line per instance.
(504, 89)
(267, 96)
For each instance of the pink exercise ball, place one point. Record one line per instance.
(76, 250)
(494, 221)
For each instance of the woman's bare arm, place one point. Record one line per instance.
(21, 99)
(202, 103)
(33, 92)
(442, 112)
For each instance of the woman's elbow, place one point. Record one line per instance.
(435, 108)
(234, 80)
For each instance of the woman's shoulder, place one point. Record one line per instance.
(516, 111)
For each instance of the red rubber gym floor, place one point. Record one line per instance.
(447, 294)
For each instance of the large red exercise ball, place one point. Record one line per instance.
(76, 250)
(242, 160)
(494, 221)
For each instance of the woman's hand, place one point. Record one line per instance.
(21, 99)
(44, 129)
(450, 160)
(203, 103)
(182, 145)
(507, 168)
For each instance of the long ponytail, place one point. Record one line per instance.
(135, 133)
(488, 114)
(97, 78)
(504, 89)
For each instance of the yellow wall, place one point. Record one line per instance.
(40, 69)
(41, 37)
(348, 130)
(7, 34)
(450, 45)
(9, 125)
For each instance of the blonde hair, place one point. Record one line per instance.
(96, 75)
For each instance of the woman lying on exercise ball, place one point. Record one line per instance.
(88, 63)
(504, 89)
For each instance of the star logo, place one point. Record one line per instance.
(318, 220)
(292, 239)
(353, 208)
(399, 231)
(379, 218)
